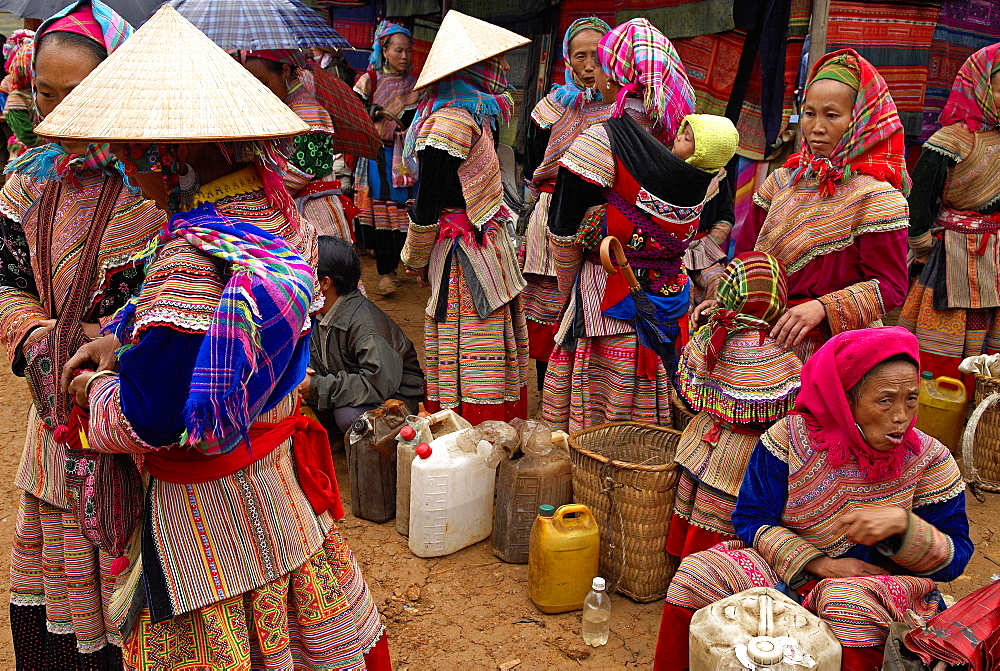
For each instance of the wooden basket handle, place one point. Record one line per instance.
(612, 244)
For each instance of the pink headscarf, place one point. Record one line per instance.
(839, 365)
(971, 99)
(81, 22)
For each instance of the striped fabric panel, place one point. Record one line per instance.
(971, 184)
(390, 216)
(538, 259)
(859, 610)
(307, 108)
(479, 175)
(972, 263)
(547, 112)
(800, 226)
(705, 577)
(598, 383)
(704, 506)
(542, 300)
(326, 214)
(471, 359)
(719, 465)
(924, 549)
(590, 157)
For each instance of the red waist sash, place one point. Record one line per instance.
(318, 186)
(310, 450)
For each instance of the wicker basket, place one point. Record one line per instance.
(981, 441)
(681, 416)
(625, 473)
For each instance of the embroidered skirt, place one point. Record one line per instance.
(947, 336)
(473, 362)
(326, 214)
(382, 205)
(55, 567)
(319, 616)
(543, 305)
(599, 382)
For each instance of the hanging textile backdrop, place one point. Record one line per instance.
(712, 63)
(896, 38)
(355, 24)
(964, 27)
(424, 30)
(679, 18)
(570, 11)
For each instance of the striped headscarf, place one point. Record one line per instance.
(97, 21)
(573, 93)
(642, 59)
(482, 89)
(384, 31)
(971, 99)
(752, 294)
(873, 142)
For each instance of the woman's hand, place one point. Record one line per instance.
(868, 526)
(797, 322)
(78, 388)
(92, 331)
(828, 567)
(700, 309)
(101, 352)
(420, 274)
(43, 327)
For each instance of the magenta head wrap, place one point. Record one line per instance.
(971, 99)
(642, 59)
(827, 377)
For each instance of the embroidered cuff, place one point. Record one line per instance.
(922, 549)
(419, 243)
(786, 551)
(856, 307)
(109, 429)
(19, 315)
(567, 255)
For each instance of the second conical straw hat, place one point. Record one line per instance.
(170, 83)
(461, 41)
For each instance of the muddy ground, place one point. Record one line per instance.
(468, 609)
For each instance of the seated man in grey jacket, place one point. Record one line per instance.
(360, 357)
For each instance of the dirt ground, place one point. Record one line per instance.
(468, 609)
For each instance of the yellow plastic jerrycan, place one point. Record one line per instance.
(562, 557)
(942, 408)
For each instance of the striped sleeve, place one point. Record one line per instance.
(855, 307)
(450, 129)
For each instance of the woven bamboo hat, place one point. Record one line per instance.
(462, 41)
(170, 83)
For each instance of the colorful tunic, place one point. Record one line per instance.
(599, 372)
(953, 309)
(789, 505)
(554, 127)
(847, 250)
(240, 567)
(48, 545)
(474, 329)
(310, 175)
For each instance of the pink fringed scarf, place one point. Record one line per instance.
(829, 374)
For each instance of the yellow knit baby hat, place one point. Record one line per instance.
(715, 140)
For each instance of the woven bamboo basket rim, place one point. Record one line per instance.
(628, 465)
(991, 398)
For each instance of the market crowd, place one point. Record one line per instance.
(175, 286)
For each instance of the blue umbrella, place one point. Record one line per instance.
(260, 24)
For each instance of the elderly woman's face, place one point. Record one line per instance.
(826, 114)
(583, 56)
(886, 403)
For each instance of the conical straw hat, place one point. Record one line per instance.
(462, 41)
(169, 83)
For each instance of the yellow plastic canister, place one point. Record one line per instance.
(562, 557)
(941, 412)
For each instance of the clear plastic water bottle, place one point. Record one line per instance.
(596, 615)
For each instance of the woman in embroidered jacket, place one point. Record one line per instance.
(555, 122)
(241, 563)
(844, 502)
(60, 583)
(836, 211)
(739, 380)
(387, 87)
(475, 338)
(955, 206)
(618, 179)
(309, 175)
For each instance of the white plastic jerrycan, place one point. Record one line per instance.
(451, 496)
(762, 629)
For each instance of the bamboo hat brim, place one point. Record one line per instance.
(462, 41)
(170, 83)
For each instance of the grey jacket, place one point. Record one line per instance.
(362, 357)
